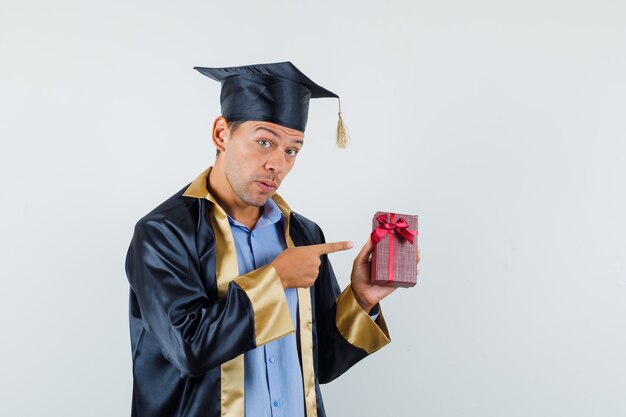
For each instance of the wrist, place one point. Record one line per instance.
(362, 302)
(278, 272)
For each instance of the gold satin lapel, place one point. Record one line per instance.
(306, 343)
(305, 314)
(226, 263)
(227, 269)
(232, 383)
(198, 188)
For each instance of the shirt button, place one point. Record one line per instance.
(275, 403)
(272, 359)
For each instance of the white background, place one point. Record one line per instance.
(500, 123)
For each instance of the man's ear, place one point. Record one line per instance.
(220, 133)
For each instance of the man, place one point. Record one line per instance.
(234, 307)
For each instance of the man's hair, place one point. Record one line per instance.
(232, 126)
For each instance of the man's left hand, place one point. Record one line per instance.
(366, 293)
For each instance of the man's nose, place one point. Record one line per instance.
(276, 161)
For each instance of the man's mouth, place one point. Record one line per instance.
(266, 185)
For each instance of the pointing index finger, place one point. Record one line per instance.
(325, 248)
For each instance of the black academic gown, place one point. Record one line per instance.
(192, 316)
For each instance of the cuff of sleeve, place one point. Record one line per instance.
(357, 327)
(267, 296)
(375, 312)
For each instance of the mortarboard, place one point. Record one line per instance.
(277, 93)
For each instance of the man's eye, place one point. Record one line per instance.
(291, 152)
(264, 143)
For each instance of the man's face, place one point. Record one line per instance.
(257, 157)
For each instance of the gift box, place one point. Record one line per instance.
(394, 259)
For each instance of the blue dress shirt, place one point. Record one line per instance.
(273, 377)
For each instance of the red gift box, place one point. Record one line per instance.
(394, 259)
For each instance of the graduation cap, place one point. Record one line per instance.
(277, 93)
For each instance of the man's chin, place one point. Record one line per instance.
(258, 201)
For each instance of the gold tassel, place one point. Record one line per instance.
(342, 134)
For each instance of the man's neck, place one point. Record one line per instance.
(220, 189)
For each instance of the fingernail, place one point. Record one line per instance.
(350, 245)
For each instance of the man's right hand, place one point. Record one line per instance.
(299, 267)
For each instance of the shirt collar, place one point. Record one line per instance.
(271, 215)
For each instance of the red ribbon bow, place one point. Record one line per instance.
(385, 227)
(390, 228)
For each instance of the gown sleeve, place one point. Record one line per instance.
(345, 332)
(197, 331)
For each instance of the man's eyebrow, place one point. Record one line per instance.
(298, 141)
(266, 129)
